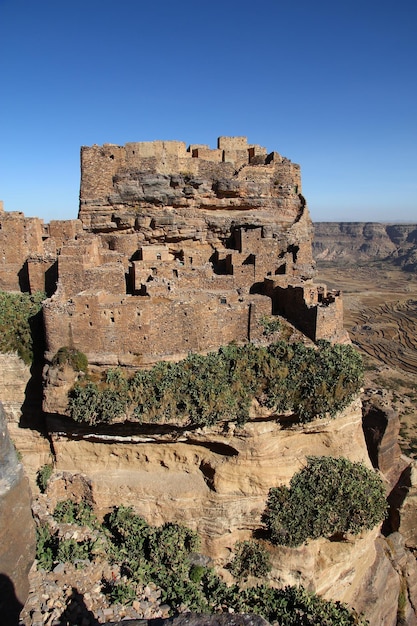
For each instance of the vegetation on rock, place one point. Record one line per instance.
(73, 357)
(43, 475)
(18, 313)
(164, 555)
(70, 512)
(330, 496)
(250, 559)
(202, 390)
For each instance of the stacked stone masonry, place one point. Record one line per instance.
(174, 250)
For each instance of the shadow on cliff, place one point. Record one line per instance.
(32, 415)
(76, 612)
(10, 606)
(374, 425)
(395, 501)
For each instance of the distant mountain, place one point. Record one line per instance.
(357, 242)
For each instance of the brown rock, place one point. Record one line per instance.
(407, 510)
(360, 241)
(212, 480)
(17, 531)
(381, 426)
(32, 445)
(377, 593)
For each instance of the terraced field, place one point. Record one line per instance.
(380, 312)
(380, 305)
(388, 333)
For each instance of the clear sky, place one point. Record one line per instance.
(330, 85)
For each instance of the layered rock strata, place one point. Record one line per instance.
(216, 481)
(351, 242)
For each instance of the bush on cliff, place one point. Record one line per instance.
(88, 403)
(202, 390)
(330, 496)
(250, 559)
(20, 313)
(164, 555)
(73, 357)
(43, 475)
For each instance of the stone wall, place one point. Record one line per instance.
(20, 237)
(175, 250)
(28, 251)
(165, 174)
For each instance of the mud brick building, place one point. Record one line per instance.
(175, 250)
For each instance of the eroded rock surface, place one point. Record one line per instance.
(17, 530)
(31, 444)
(361, 241)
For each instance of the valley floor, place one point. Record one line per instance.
(380, 312)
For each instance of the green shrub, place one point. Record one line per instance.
(196, 573)
(76, 359)
(270, 325)
(251, 559)
(19, 314)
(202, 390)
(292, 606)
(330, 496)
(129, 535)
(120, 593)
(43, 475)
(46, 547)
(71, 551)
(51, 550)
(70, 512)
(165, 552)
(87, 403)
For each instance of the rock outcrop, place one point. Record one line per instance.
(31, 444)
(351, 242)
(17, 530)
(381, 426)
(216, 480)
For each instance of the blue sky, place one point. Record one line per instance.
(330, 85)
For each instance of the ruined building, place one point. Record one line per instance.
(174, 250)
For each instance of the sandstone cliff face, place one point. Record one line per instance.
(17, 531)
(381, 426)
(217, 481)
(359, 241)
(30, 443)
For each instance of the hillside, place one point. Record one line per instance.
(356, 242)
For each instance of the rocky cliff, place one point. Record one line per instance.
(351, 242)
(17, 530)
(179, 251)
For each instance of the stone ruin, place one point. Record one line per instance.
(175, 250)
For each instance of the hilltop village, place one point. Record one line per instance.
(175, 250)
(178, 252)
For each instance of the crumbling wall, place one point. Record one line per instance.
(135, 331)
(20, 237)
